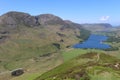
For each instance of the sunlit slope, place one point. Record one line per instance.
(90, 66)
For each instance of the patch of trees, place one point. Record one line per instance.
(113, 39)
(112, 49)
(57, 45)
(68, 46)
(84, 34)
(105, 33)
(60, 34)
(44, 55)
(111, 36)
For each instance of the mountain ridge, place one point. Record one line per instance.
(98, 27)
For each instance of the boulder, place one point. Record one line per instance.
(17, 72)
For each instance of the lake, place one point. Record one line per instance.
(94, 41)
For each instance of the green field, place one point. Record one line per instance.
(72, 53)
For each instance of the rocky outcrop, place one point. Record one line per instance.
(17, 72)
(47, 19)
(14, 19)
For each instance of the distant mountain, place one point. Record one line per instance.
(118, 31)
(118, 27)
(97, 27)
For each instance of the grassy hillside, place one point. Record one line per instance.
(33, 49)
(72, 53)
(89, 66)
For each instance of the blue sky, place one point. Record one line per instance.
(80, 11)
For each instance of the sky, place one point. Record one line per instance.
(80, 11)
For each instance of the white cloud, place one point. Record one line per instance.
(104, 18)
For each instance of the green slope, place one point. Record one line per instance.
(89, 66)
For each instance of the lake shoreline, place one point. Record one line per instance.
(93, 42)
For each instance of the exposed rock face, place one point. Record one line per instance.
(14, 19)
(49, 19)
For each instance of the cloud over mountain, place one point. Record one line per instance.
(104, 18)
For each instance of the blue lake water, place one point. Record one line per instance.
(94, 41)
